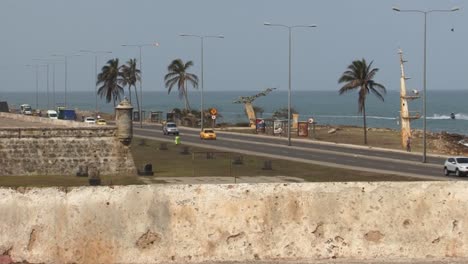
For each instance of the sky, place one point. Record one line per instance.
(250, 57)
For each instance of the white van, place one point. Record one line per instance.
(52, 114)
(26, 109)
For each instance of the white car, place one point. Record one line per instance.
(90, 120)
(52, 114)
(457, 165)
(170, 128)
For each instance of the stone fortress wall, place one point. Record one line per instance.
(243, 222)
(60, 147)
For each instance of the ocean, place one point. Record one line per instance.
(326, 107)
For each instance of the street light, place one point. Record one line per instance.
(48, 63)
(201, 37)
(424, 71)
(289, 86)
(155, 44)
(47, 72)
(95, 52)
(36, 67)
(65, 57)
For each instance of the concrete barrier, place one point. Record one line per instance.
(245, 222)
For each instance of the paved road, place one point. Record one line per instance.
(342, 156)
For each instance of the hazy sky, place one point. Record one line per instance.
(250, 57)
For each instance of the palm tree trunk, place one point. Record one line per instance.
(138, 101)
(130, 93)
(115, 116)
(365, 126)
(187, 104)
(184, 88)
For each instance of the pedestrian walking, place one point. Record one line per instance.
(408, 144)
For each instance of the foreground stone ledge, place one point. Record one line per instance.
(271, 223)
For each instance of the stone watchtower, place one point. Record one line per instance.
(123, 121)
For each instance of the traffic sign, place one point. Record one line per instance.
(213, 111)
(310, 120)
(213, 117)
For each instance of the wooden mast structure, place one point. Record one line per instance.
(405, 115)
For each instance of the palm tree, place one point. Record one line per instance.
(359, 76)
(111, 79)
(178, 75)
(131, 75)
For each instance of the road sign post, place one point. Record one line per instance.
(213, 118)
(311, 121)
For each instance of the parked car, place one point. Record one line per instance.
(101, 122)
(52, 114)
(207, 134)
(457, 165)
(90, 120)
(170, 128)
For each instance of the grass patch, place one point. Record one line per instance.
(171, 162)
(376, 137)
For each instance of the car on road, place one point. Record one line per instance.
(52, 114)
(457, 165)
(207, 134)
(101, 121)
(170, 128)
(90, 120)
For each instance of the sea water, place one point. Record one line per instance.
(326, 107)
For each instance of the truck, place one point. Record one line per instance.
(26, 109)
(66, 114)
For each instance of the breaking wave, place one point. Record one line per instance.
(459, 116)
(358, 116)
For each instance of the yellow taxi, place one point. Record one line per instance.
(101, 122)
(207, 134)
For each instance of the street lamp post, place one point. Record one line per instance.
(65, 57)
(201, 37)
(48, 63)
(36, 67)
(155, 44)
(424, 71)
(96, 53)
(289, 82)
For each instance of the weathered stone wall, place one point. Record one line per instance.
(61, 150)
(245, 222)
